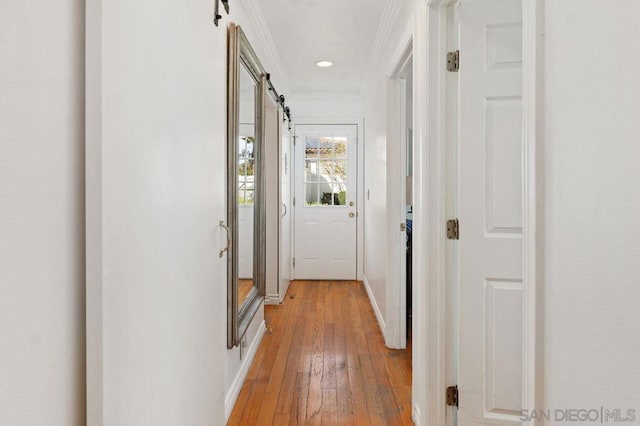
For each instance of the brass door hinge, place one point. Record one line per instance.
(453, 229)
(453, 61)
(452, 396)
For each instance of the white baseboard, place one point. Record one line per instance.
(272, 299)
(374, 304)
(416, 416)
(238, 381)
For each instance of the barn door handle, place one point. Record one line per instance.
(226, 228)
(285, 209)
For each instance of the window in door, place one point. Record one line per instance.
(325, 180)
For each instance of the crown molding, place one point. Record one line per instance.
(260, 29)
(385, 28)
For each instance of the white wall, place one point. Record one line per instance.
(160, 148)
(156, 145)
(41, 213)
(375, 112)
(325, 105)
(592, 205)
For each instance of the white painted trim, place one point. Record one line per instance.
(359, 123)
(94, 274)
(272, 299)
(232, 396)
(532, 78)
(403, 52)
(430, 316)
(260, 29)
(419, 360)
(374, 305)
(395, 337)
(385, 29)
(415, 415)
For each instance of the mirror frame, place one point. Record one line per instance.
(240, 53)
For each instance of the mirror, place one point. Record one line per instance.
(245, 199)
(246, 185)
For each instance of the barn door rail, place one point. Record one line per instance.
(216, 13)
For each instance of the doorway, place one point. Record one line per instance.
(325, 202)
(400, 199)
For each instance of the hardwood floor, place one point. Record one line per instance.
(244, 288)
(324, 362)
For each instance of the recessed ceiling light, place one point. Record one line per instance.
(324, 64)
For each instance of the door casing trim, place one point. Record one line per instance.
(395, 330)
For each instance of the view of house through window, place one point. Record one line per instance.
(325, 170)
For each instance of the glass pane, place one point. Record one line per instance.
(326, 148)
(340, 194)
(311, 147)
(311, 194)
(326, 199)
(325, 169)
(248, 197)
(340, 147)
(336, 197)
(312, 173)
(339, 171)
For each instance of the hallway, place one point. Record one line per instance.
(324, 361)
(227, 212)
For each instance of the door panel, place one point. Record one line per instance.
(325, 193)
(490, 212)
(286, 211)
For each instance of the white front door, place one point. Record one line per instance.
(325, 202)
(490, 212)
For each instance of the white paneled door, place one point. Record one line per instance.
(325, 202)
(490, 212)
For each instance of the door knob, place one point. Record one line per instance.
(352, 214)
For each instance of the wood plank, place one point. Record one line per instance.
(325, 363)
(241, 403)
(285, 398)
(346, 411)
(281, 420)
(329, 407)
(329, 358)
(298, 414)
(314, 401)
(284, 335)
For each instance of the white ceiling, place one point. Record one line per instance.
(341, 31)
